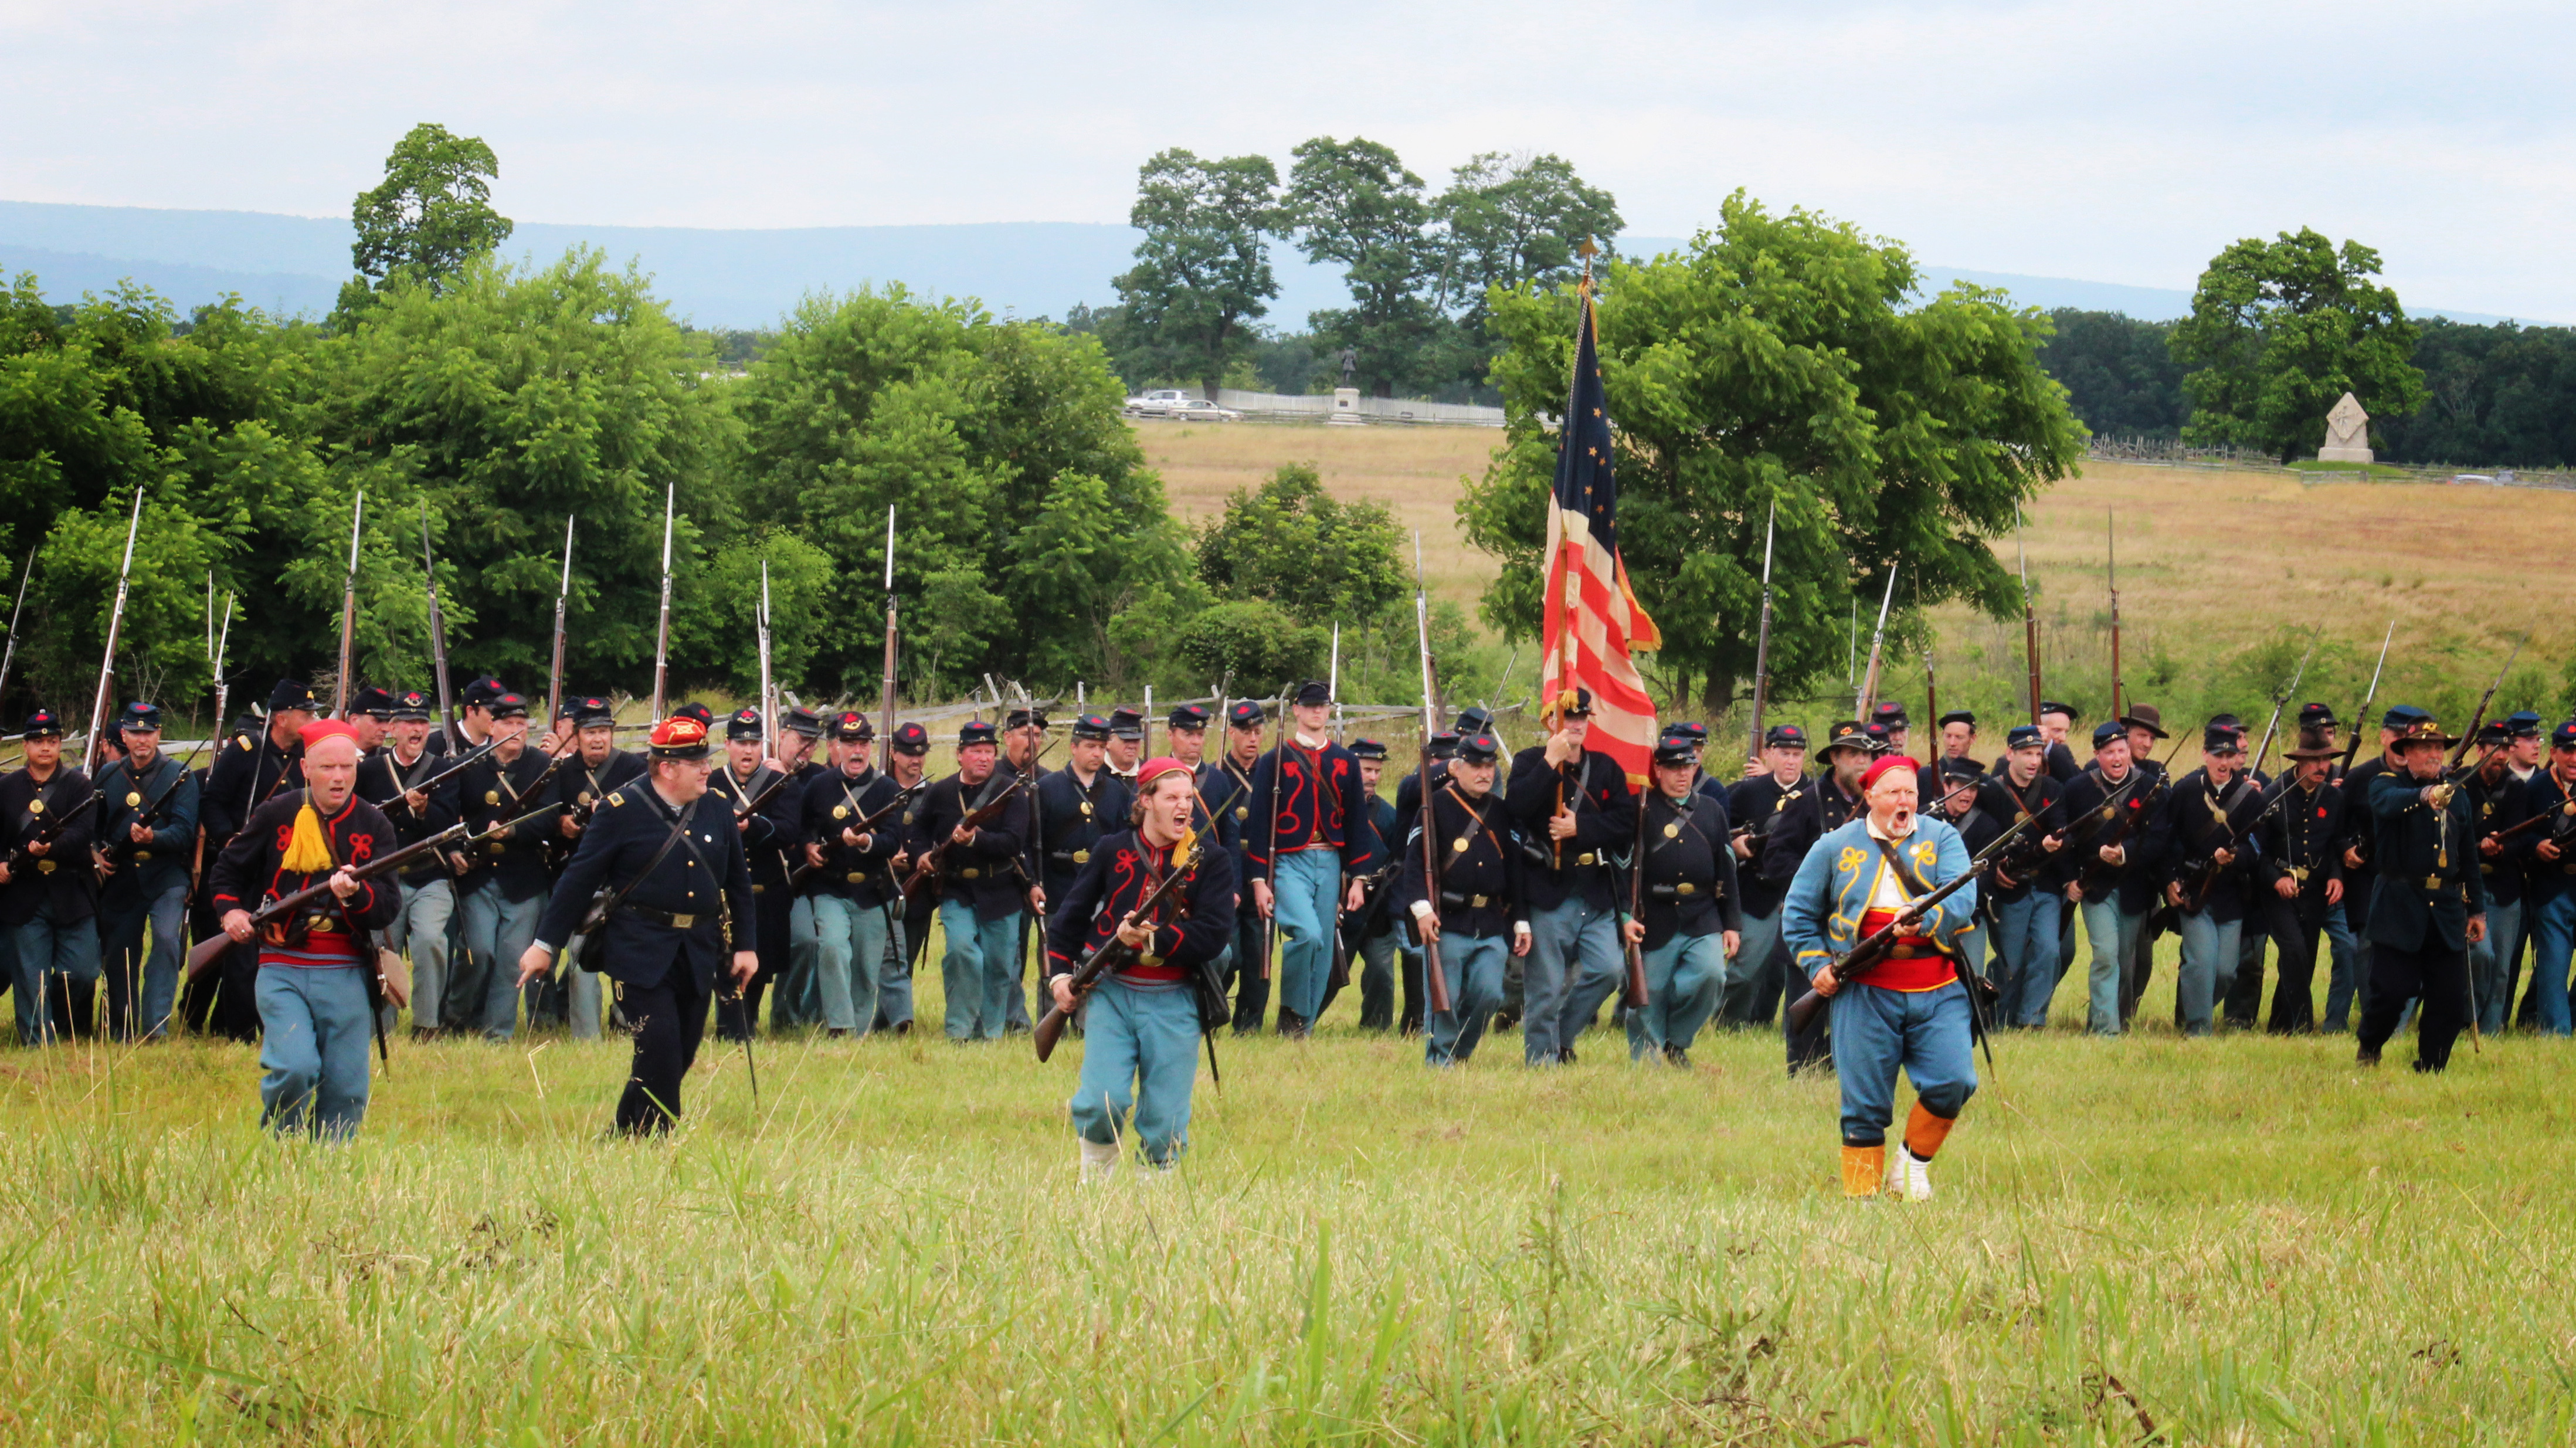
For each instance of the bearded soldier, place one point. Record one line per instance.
(2428, 906)
(2299, 877)
(147, 824)
(48, 894)
(845, 879)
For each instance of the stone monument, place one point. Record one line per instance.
(1346, 398)
(2347, 434)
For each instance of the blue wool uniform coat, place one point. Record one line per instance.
(1197, 919)
(625, 832)
(146, 870)
(2429, 883)
(833, 802)
(1321, 805)
(1596, 790)
(1821, 917)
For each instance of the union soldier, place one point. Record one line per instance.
(48, 893)
(502, 888)
(1482, 911)
(1755, 804)
(2429, 905)
(591, 766)
(909, 757)
(256, 766)
(1370, 932)
(1910, 1012)
(2360, 879)
(474, 717)
(1898, 731)
(771, 824)
(149, 821)
(1832, 801)
(1142, 1020)
(1024, 732)
(845, 879)
(2523, 763)
(2204, 863)
(1077, 806)
(397, 780)
(1306, 842)
(798, 1000)
(1693, 923)
(1956, 739)
(1225, 787)
(1126, 743)
(2552, 880)
(318, 983)
(370, 710)
(1186, 728)
(2023, 895)
(2144, 729)
(676, 919)
(1571, 808)
(1965, 803)
(2298, 871)
(978, 887)
(2056, 726)
(2110, 876)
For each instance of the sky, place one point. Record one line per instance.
(2112, 142)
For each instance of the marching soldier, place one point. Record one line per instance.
(1370, 933)
(1142, 1020)
(1756, 803)
(503, 889)
(318, 986)
(1306, 841)
(1024, 733)
(978, 883)
(1889, 716)
(2023, 894)
(1077, 805)
(1482, 910)
(251, 770)
(1187, 727)
(48, 896)
(148, 822)
(770, 822)
(370, 710)
(1571, 807)
(1126, 744)
(2110, 878)
(1225, 788)
(2360, 878)
(1966, 804)
(850, 828)
(676, 917)
(910, 754)
(2498, 802)
(2196, 840)
(1833, 800)
(2552, 881)
(798, 1000)
(2429, 905)
(2056, 726)
(398, 780)
(1692, 923)
(2298, 871)
(590, 766)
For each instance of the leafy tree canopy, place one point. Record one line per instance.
(1320, 559)
(1777, 361)
(1202, 274)
(2280, 330)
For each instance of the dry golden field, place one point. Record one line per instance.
(2214, 566)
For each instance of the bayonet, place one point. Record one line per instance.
(107, 663)
(1434, 978)
(1762, 641)
(563, 592)
(888, 734)
(437, 641)
(349, 612)
(768, 689)
(2029, 619)
(9, 654)
(2352, 746)
(2111, 536)
(2281, 700)
(1869, 676)
(662, 634)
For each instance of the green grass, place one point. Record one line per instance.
(2365, 470)
(2236, 1241)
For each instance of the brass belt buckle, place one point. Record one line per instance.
(143, 854)
(1685, 888)
(1082, 857)
(858, 877)
(683, 922)
(44, 867)
(2432, 882)
(1476, 902)
(1583, 859)
(969, 874)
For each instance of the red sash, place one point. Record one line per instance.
(1916, 964)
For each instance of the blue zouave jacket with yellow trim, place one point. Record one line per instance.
(1820, 919)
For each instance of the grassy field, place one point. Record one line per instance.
(2221, 573)
(2242, 1240)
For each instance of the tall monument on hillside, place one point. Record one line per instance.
(2347, 434)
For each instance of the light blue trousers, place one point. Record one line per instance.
(1761, 939)
(2026, 938)
(1140, 1050)
(421, 929)
(314, 1034)
(499, 931)
(1683, 978)
(850, 942)
(2553, 941)
(2209, 955)
(1307, 885)
(976, 970)
(2491, 965)
(1473, 967)
(155, 967)
(2113, 935)
(1573, 965)
(47, 950)
(1876, 1031)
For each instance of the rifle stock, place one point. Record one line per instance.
(203, 955)
(1435, 977)
(1636, 952)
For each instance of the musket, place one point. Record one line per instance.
(1145, 748)
(2111, 535)
(1278, 757)
(107, 663)
(1931, 696)
(864, 824)
(2360, 718)
(1636, 952)
(2029, 619)
(887, 733)
(349, 612)
(1868, 694)
(2480, 717)
(206, 952)
(457, 765)
(1871, 952)
(1110, 953)
(1332, 682)
(2281, 701)
(437, 641)
(1762, 640)
(563, 592)
(117, 850)
(1435, 979)
(768, 695)
(662, 635)
(9, 654)
(223, 641)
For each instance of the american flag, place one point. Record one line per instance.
(1592, 620)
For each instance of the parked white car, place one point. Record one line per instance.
(1184, 406)
(1199, 409)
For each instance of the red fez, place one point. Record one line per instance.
(321, 729)
(1886, 766)
(679, 737)
(1155, 768)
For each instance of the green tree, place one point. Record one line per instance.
(1293, 544)
(1354, 204)
(430, 216)
(2119, 373)
(1510, 219)
(1202, 273)
(2280, 330)
(1781, 359)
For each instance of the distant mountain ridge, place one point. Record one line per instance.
(746, 278)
